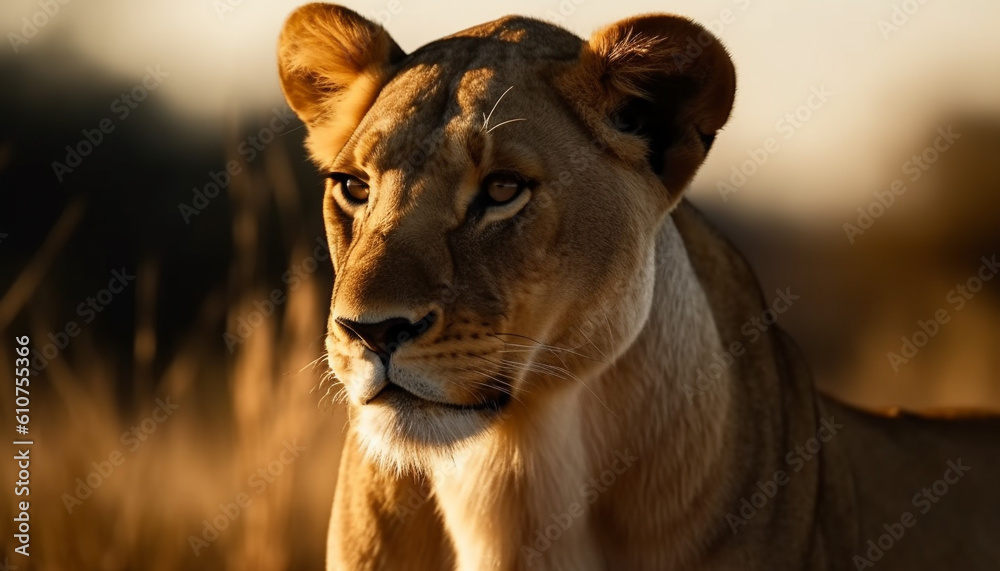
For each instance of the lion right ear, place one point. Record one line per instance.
(332, 63)
(663, 78)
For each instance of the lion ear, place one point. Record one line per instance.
(668, 80)
(332, 63)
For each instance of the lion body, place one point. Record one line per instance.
(559, 379)
(865, 477)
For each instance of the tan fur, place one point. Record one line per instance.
(578, 321)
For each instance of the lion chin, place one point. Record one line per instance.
(405, 433)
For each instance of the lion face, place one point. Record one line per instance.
(491, 206)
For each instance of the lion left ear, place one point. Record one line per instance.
(332, 63)
(665, 79)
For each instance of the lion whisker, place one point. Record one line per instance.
(558, 372)
(505, 122)
(508, 391)
(591, 342)
(558, 351)
(311, 364)
(486, 121)
(547, 347)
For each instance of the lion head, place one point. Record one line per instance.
(492, 204)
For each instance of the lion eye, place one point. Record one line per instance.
(501, 188)
(353, 188)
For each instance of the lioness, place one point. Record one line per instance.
(539, 340)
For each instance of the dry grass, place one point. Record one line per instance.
(236, 416)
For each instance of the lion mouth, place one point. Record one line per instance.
(393, 394)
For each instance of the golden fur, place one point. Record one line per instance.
(544, 405)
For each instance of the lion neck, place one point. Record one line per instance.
(678, 427)
(640, 447)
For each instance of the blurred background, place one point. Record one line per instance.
(161, 244)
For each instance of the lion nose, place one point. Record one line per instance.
(386, 336)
